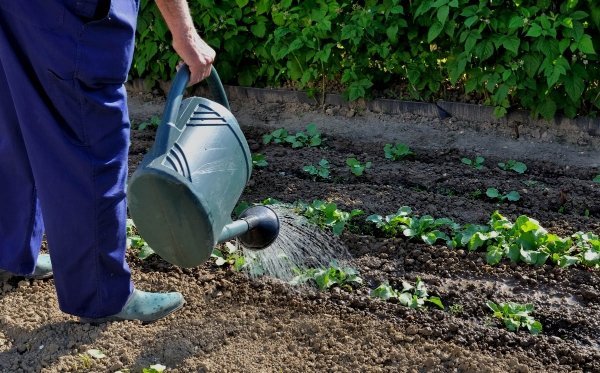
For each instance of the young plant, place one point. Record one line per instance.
(516, 316)
(231, 256)
(259, 160)
(356, 167)
(154, 122)
(325, 214)
(397, 152)
(425, 227)
(410, 296)
(596, 179)
(155, 368)
(325, 278)
(518, 167)
(588, 245)
(310, 138)
(512, 196)
(476, 163)
(134, 241)
(320, 170)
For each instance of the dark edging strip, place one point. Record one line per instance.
(440, 109)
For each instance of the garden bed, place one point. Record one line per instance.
(236, 323)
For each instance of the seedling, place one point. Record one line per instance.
(230, 256)
(156, 368)
(356, 167)
(259, 160)
(588, 245)
(326, 214)
(310, 138)
(518, 167)
(134, 241)
(512, 196)
(425, 227)
(456, 309)
(325, 278)
(321, 170)
(397, 152)
(476, 163)
(596, 179)
(154, 122)
(516, 316)
(410, 296)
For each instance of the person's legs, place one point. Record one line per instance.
(21, 224)
(75, 128)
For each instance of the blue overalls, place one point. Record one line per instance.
(64, 138)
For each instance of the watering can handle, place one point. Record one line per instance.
(182, 78)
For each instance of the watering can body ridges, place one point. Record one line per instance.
(182, 194)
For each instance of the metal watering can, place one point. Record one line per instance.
(182, 194)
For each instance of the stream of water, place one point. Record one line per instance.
(299, 245)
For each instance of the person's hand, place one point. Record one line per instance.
(195, 53)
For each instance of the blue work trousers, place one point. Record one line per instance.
(64, 139)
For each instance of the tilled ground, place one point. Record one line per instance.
(234, 323)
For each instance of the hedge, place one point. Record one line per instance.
(539, 55)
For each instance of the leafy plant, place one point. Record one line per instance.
(154, 122)
(516, 316)
(410, 296)
(397, 152)
(476, 163)
(231, 256)
(325, 278)
(259, 160)
(596, 179)
(325, 214)
(155, 368)
(136, 242)
(425, 227)
(516, 166)
(310, 138)
(512, 196)
(320, 170)
(356, 167)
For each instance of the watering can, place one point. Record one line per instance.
(183, 193)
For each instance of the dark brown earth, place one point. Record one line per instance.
(235, 323)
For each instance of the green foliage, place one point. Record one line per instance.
(512, 196)
(325, 278)
(541, 56)
(425, 227)
(512, 165)
(259, 160)
(325, 214)
(516, 316)
(476, 163)
(310, 138)
(135, 242)
(397, 152)
(155, 368)
(153, 123)
(357, 168)
(410, 296)
(596, 179)
(231, 256)
(321, 170)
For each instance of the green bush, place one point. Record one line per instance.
(540, 55)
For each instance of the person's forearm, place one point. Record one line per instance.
(198, 55)
(177, 16)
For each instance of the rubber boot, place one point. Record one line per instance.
(43, 270)
(144, 306)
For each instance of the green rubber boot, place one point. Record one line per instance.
(43, 270)
(144, 306)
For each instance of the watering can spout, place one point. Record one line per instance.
(257, 228)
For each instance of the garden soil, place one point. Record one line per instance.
(235, 323)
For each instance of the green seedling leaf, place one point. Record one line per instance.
(514, 316)
(596, 179)
(356, 167)
(518, 167)
(410, 296)
(321, 170)
(96, 354)
(476, 163)
(259, 160)
(397, 152)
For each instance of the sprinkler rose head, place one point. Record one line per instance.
(264, 227)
